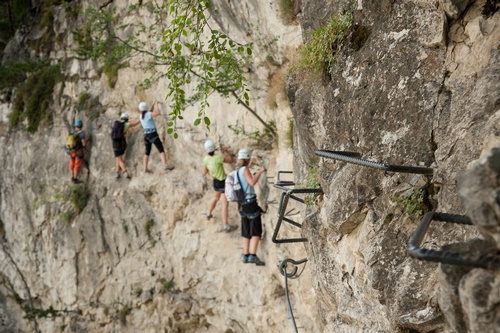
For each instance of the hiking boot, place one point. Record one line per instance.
(209, 216)
(253, 259)
(168, 167)
(244, 259)
(117, 176)
(229, 227)
(126, 175)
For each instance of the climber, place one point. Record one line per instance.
(150, 134)
(118, 137)
(250, 211)
(213, 165)
(79, 140)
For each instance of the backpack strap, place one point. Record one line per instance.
(239, 181)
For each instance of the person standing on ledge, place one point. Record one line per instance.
(250, 211)
(76, 152)
(213, 165)
(119, 142)
(150, 134)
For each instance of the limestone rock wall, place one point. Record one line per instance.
(141, 256)
(422, 89)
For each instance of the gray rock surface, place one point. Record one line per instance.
(421, 89)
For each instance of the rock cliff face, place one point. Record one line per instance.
(417, 84)
(420, 91)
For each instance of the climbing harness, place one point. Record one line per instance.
(415, 251)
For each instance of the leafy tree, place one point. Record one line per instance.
(178, 44)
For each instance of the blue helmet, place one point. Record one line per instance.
(78, 123)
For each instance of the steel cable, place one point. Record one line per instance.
(293, 275)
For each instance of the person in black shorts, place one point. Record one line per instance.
(213, 165)
(151, 136)
(119, 147)
(249, 209)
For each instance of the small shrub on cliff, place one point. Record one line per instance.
(412, 201)
(320, 52)
(312, 181)
(148, 225)
(78, 197)
(287, 11)
(166, 285)
(34, 96)
(67, 216)
(123, 313)
(289, 133)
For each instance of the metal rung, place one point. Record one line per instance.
(414, 250)
(285, 197)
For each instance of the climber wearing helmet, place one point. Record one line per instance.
(150, 134)
(251, 223)
(119, 142)
(213, 165)
(76, 142)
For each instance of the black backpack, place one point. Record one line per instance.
(118, 131)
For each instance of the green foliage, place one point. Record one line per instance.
(166, 285)
(82, 100)
(125, 228)
(11, 17)
(15, 73)
(34, 96)
(32, 313)
(111, 71)
(78, 197)
(138, 292)
(2, 229)
(321, 50)
(124, 312)
(47, 17)
(90, 105)
(263, 140)
(289, 133)
(413, 202)
(286, 9)
(148, 225)
(67, 216)
(312, 181)
(184, 56)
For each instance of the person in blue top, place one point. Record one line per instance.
(251, 223)
(150, 134)
(213, 164)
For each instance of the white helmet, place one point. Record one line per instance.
(124, 115)
(143, 106)
(244, 154)
(209, 146)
